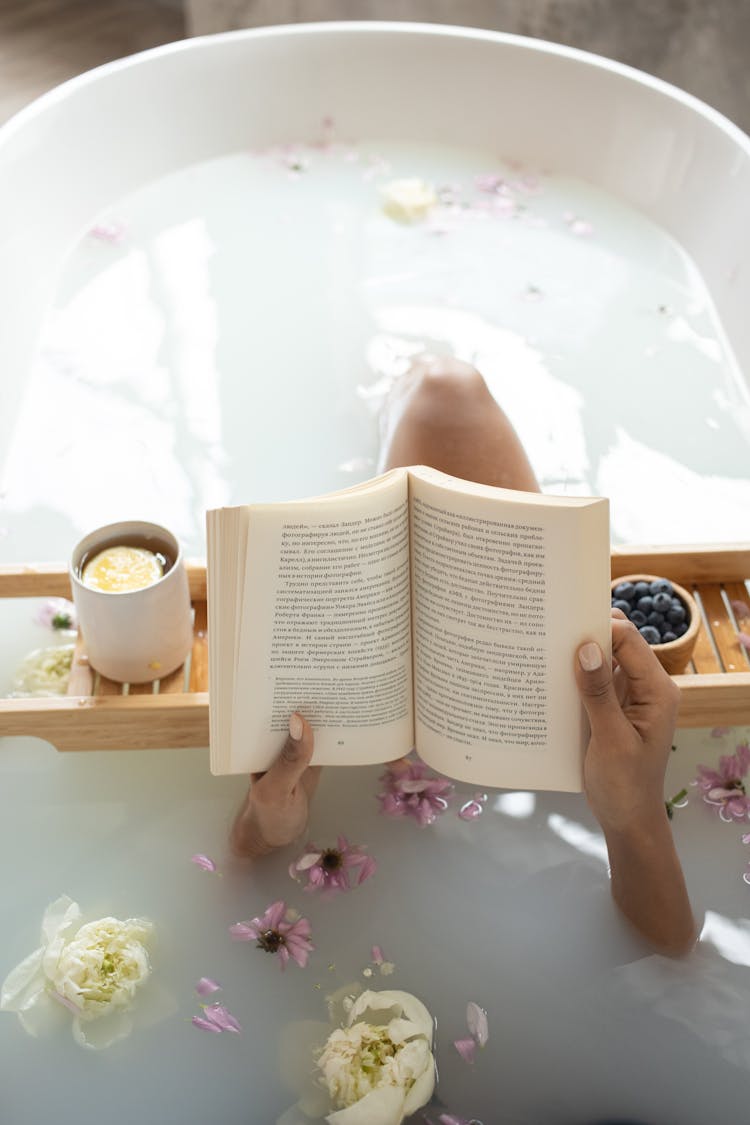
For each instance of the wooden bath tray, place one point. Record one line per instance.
(98, 714)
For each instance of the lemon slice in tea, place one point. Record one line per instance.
(118, 569)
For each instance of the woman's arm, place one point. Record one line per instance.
(632, 715)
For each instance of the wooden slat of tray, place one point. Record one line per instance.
(728, 562)
(51, 580)
(705, 657)
(722, 628)
(199, 655)
(117, 722)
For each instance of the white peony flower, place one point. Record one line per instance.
(44, 672)
(92, 970)
(379, 1069)
(408, 201)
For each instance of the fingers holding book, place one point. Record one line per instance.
(276, 808)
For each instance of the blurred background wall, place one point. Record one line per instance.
(701, 45)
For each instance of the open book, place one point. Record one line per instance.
(415, 609)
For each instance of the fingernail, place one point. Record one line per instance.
(590, 657)
(296, 727)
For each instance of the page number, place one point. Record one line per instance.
(468, 757)
(340, 742)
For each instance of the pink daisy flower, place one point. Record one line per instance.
(724, 788)
(278, 931)
(411, 790)
(333, 869)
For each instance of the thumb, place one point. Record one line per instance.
(295, 756)
(596, 688)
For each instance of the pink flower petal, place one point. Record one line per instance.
(219, 1015)
(471, 810)
(467, 1049)
(369, 867)
(308, 860)
(204, 862)
(244, 931)
(476, 1021)
(746, 838)
(377, 953)
(206, 986)
(205, 1025)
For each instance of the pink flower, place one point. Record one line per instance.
(331, 869)
(57, 613)
(278, 931)
(724, 788)
(411, 790)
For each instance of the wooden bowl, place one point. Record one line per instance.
(675, 655)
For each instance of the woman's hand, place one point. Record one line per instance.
(277, 805)
(632, 715)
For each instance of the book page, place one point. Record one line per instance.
(506, 585)
(326, 628)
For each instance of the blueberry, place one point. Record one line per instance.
(677, 604)
(625, 591)
(638, 618)
(661, 586)
(645, 605)
(667, 638)
(662, 602)
(641, 589)
(656, 619)
(650, 635)
(681, 629)
(626, 607)
(676, 615)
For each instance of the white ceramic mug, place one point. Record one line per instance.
(135, 636)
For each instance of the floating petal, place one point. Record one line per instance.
(203, 861)
(206, 986)
(467, 1049)
(476, 1021)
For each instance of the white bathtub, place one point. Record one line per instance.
(511, 911)
(108, 133)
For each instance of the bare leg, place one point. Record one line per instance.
(441, 414)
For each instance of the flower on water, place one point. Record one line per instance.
(204, 862)
(206, 986)
(92, 970)
(278, 931)
(112, 231)
(217, 1018)
(476, 1021)
(333, 869)
(724, 788)
(408, 200)
(44, 672)
(411, 790)
(57, 613)
(379, 1067)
